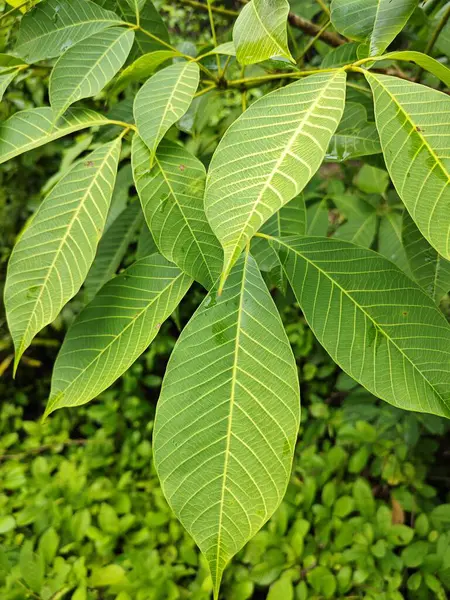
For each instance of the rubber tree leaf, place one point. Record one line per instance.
(163, 100)
(341, 56)
(428, 63)
(361, 225)
(114, 329)
(260, 31)
(142, 68)
(112, 248)
(377, 21)
(121, 194)
(268, 155)
(355, 136)
(55, 25)
(228, 417)
(227, 49)
(85, 69)
(414, 132)
(317, 218)
(429, 269)
(6, 76)
(171, 195)
(150, 21)
(390, 242)
(136, 6)
(376, 323)
(52, 257)
(34, 127)
(146, 244)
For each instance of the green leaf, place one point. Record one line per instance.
(114, 329)
(32, 567)
(136, 6)
(415, 554)
(423, 60)
(355, 136)
(112, 248)
(6, 78)
(361, 224)
(34, 127)
(376, 20)
(429, 269)
(52, 257)
(109, 575)
(227, 49)
(163, 100)
(390, 242)
(228, 416)
(150, 21)
(260, 31)
(55, 25)
(364, 500)
(142, 68)
(412, 124)
(171, 194)
(48, 545)
(340, 56)
(86, 68)
(317, 220)
(376, 324)
(267, 157)
(146, 244)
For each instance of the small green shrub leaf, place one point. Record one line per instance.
(114, 329)
(228, 417)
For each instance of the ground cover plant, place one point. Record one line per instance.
(223, 143)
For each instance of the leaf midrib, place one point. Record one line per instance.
(375, 324)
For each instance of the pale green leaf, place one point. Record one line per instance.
(361, 224)
(55, 25)
(429, 269)
(121, 194)
(9, 61)
(136, 6)
(5, 80)
(34, 127)
(52, 257)
(355, 136)
(376, 20)
(112, 248)
(142, 68)
(171, 194)
(227, 49)
(86, 68)
(412, 122)
(114, 329)
(423, 60)
(146, 244)
(318, 221)
(228, 416)
(150, 21)
(260, 31)
(375, 322)
(340, 56)
(164, 99)
(390, 240)
(268, 155)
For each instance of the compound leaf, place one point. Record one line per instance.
(114, 329)
(52, 27)
(268, 155)
(86, 68)
(52, 257)
(374, 321)
(171, 194)
(163, 100)
(228, 416)
(415, 135)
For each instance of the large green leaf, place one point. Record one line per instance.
(430, 270)
(52, 257)
(142, 68)
(423, 60)
(150, 21)
(268, 155)
(228, 416)
(341, 56)
(86, 68)
(164, 99)
(260, 31)
(355, 136)
(376, 323)
(390, 240)
(34, 127)
(114, 329)
(112, 248)
(55, 25)
(171, 194)
(376, 20)
(360, 227)
(412, 122)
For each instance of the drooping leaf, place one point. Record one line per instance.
(268, 155)
(377, 21)
(52, 257)
(340, 56)
(55, 25)
(34, 127)
(355, 136)
(429, 269)
(428, 63)
(164, 99)
(86, 68)
(390, 240)
(146, 244)
(228, 417)
(150, 21)
(6, 76)
(114, 329)
(260, 31)
(414, 132)
(112, 248)
(171, 194)
(142, 68)
(361, 224)
(374, 321)
(9, 61)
